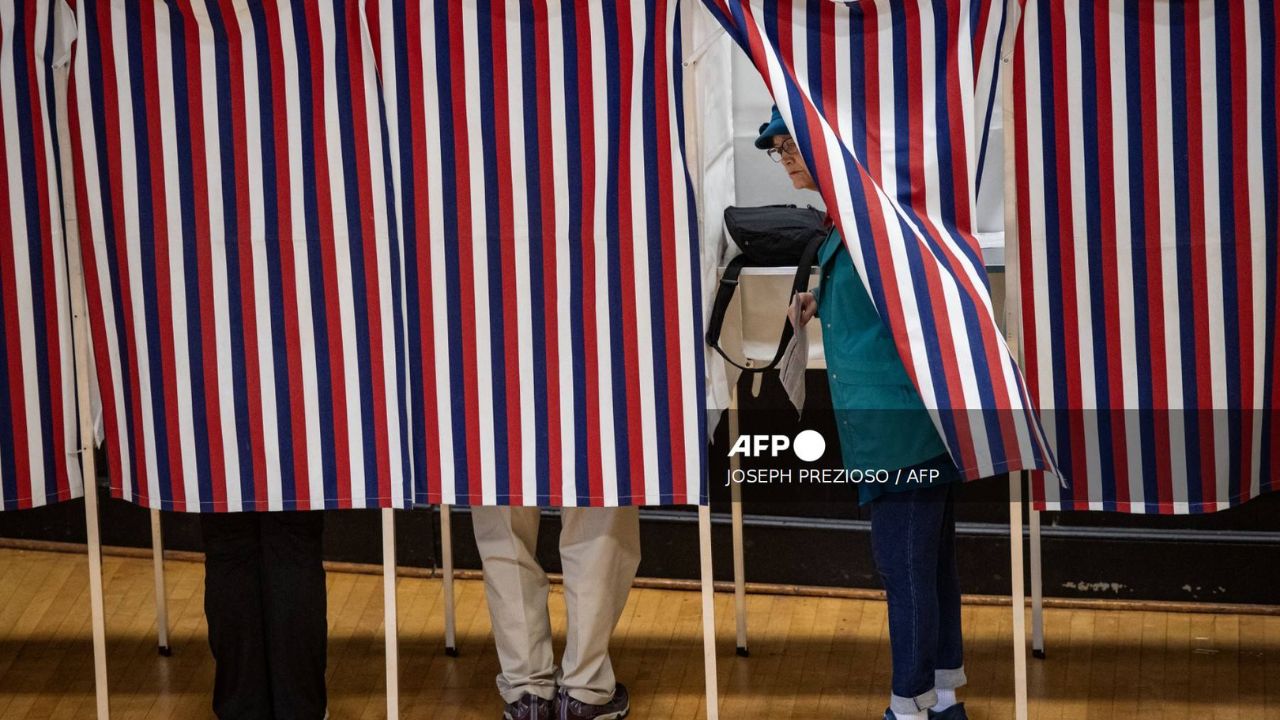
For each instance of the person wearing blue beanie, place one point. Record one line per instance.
(884, 427)
(775, 128)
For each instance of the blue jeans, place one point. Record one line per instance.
(913, 538)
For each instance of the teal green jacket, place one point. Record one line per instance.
(882, 421)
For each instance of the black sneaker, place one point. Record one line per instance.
(955, 712)
(529, 707)
(567, 708)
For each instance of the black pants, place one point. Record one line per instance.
(264, 598)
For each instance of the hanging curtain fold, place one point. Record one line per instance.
(554, 301)
(1147, 165)
(242, 258)
(880, 97)
(39, 422)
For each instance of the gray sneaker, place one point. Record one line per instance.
(529, 707)
(567, 708)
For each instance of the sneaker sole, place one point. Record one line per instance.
(615, 716)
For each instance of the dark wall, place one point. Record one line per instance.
(1093, 556)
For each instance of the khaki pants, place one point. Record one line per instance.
(600, 551)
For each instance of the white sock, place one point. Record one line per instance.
(946, 698)
(921, 715)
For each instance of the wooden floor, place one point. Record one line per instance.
(811, 657)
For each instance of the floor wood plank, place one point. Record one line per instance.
(811, 658)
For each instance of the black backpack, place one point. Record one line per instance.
(769, 236)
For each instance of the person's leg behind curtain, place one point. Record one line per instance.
(949, 674)
(295, 604)
(906, 529)
(233, 609)
(516, 590)
(600, 552)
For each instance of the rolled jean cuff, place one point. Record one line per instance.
(907, 706)
(949, 679)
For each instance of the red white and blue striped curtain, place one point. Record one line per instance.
(880, 96)
(554, 308)
(39, 425)
(242, 260)
(1147, 171)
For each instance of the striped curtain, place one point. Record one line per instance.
(880, 95)
(39, 424)
(1147, 195)
(554, 308)
(242, 256)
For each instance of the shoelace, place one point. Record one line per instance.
(565, 700)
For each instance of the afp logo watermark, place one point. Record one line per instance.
(808, 445)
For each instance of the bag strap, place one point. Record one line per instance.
(729, 285)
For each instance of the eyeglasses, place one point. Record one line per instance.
(788, 147)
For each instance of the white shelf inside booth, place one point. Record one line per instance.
(761, 307)
(761, 301)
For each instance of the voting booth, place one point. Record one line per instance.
(356, 254)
